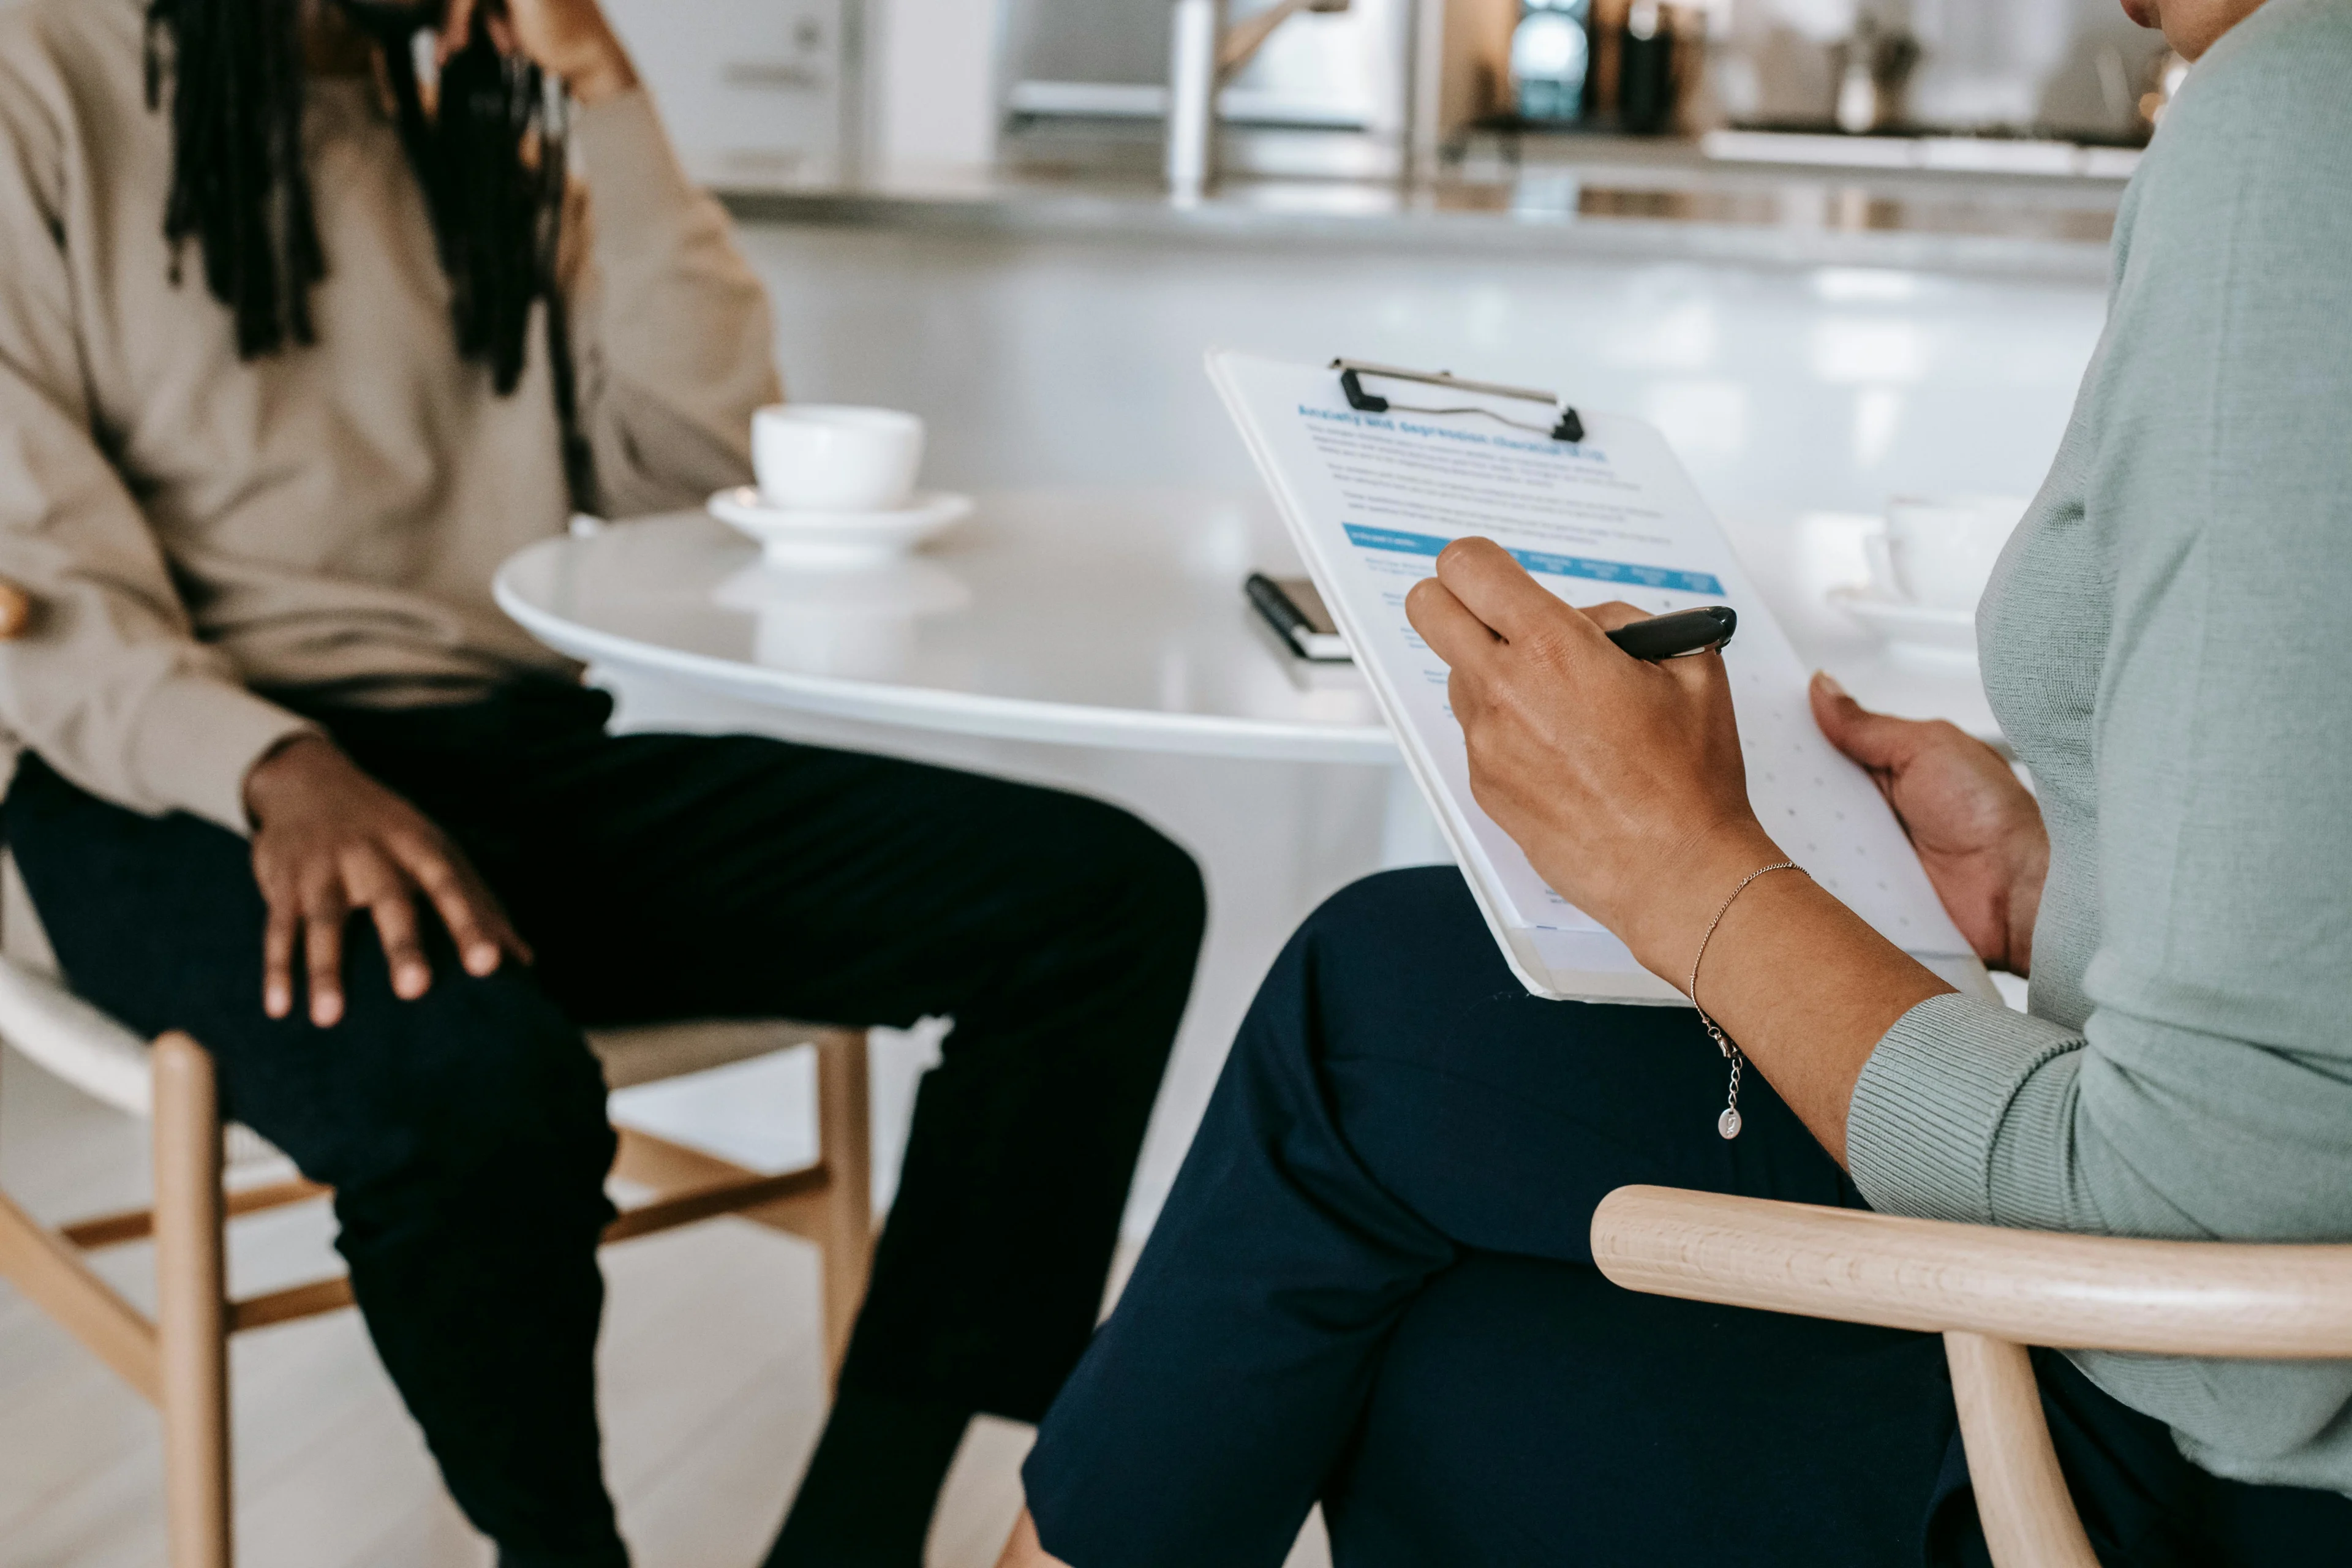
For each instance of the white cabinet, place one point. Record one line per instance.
(753, 90)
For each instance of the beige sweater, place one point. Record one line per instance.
(193, 527)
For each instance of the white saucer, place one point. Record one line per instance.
(789, 537)
(1922, 634)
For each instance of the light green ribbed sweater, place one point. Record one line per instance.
(2169, 644)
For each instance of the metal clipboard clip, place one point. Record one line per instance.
(1565, 425)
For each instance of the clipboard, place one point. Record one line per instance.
(1371, 487)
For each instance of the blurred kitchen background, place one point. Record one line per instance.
(1838, 248)
(808, 90)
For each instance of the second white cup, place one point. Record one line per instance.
(1940, 552)
(831, 456)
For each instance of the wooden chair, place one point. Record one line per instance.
(1990, 1293)
(179, 1361)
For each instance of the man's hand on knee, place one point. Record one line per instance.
(328, 840)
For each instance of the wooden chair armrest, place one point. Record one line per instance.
(2075, 1292)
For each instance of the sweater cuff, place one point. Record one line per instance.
(641, 193)
(198, 736)
(1929, 1106)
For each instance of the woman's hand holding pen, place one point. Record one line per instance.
(1621, 780)
(1624, 782)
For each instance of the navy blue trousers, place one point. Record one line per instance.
(663, 877)
(1373, 1287)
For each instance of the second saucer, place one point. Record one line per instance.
(1922, 635)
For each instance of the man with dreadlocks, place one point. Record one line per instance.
(303, 327)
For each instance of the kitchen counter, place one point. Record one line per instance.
(1647, 201)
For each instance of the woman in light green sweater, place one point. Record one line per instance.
(1366, 1287)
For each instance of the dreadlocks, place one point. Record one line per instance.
(488, 154)
(238, 184)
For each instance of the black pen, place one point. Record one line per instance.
(1685, 631)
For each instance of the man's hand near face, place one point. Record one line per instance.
(2191, 27)
(328, 840)
(568, 38)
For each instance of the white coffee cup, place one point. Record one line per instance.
(830, 456)
(1939, 550)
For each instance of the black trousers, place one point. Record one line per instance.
(1373, 1284)
(659, 878)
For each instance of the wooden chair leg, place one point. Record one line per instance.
(2028, 1515)
(846, 1139)
(191, 1318)
(54, 1277)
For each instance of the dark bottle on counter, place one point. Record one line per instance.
(1645, 70)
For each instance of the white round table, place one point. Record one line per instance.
(1064, 617)
(1073, 617)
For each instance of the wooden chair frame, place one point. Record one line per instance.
(178, 1360)
(1990, 1293)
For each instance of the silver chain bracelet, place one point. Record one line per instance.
(1728, 1123)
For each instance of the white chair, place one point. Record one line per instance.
(179, 1360)
(1990, 1293)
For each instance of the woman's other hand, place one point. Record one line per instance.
(570, 38)
(1623, 779)
(1978, 830)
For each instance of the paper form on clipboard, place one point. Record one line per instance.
(1371, 498)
